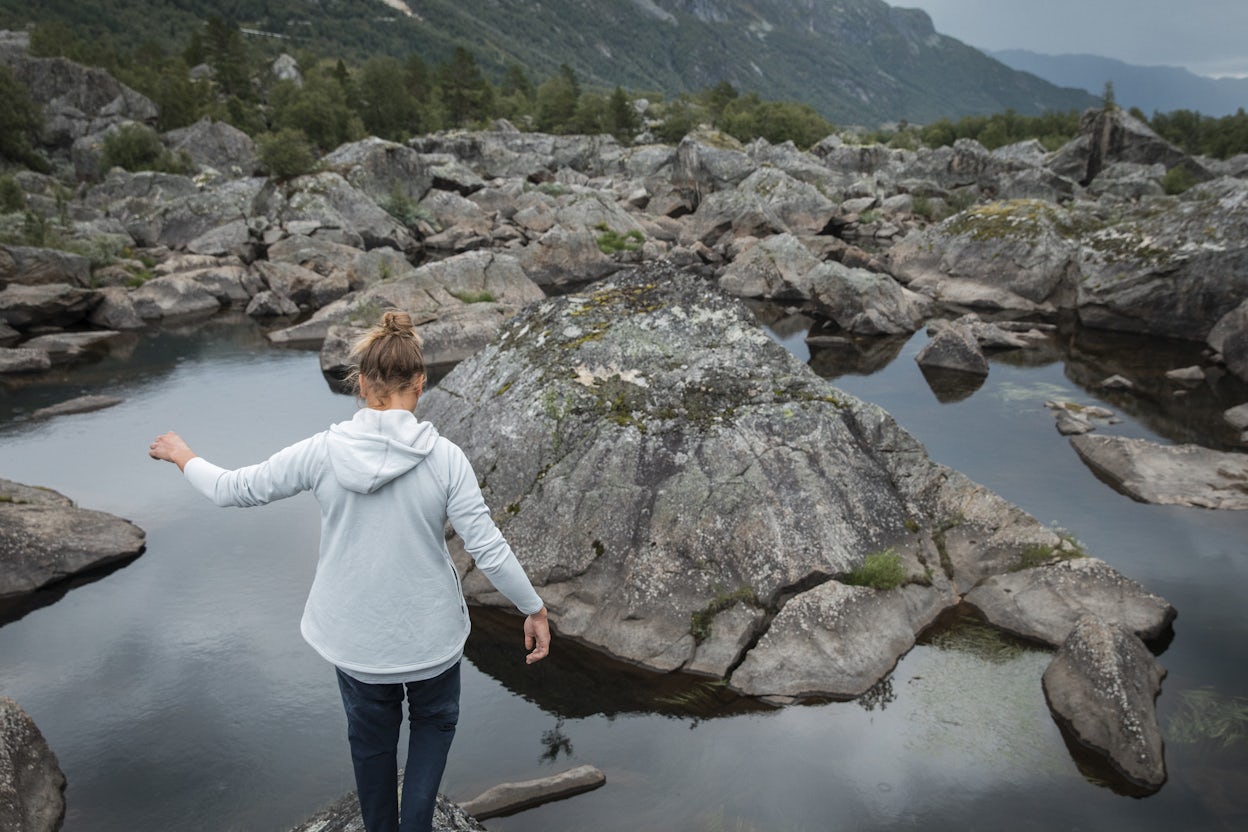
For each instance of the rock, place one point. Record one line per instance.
(1229, 338)
(46, 540)
(1128, 181)
(867, 303)
(458, 304)
(217, 145)
(1116, 382)
(328, 201)
(344, 816)
(231, 239)
(1044, 603)
(837, 640)
(177, 222)
(23, 360)
(709, 162)
(1185, 475)
(954, 348)
(726, 635)
(1005, 255)
(800, 205)
(382, 170)
(1072, 424)
(732, 214)
(776, 267)
(1102, 686)
(40, 266)
(64, 347)
(286, 68)
(561, 257)
(115, 310)
(32, 786)
(270, 304)
(173, 296)
(1189, 376)
(81, 404)
(629, 432)
(306, 288)
(508, 798)
(1114, 135)
(1237, 417)
(77, 100)
(48, 304)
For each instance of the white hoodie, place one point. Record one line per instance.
(385, 604)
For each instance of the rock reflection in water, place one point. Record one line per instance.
(576, 682)
(832, 356)
(951, 385)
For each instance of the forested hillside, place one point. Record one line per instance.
(854, 61)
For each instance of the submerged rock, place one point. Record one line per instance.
(344, 816)
(1102, 687)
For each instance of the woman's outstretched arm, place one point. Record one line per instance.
(171, 448)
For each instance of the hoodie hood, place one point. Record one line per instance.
(376, 446)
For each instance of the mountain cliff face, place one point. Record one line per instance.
(856, 61)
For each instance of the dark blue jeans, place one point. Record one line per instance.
(374, 714)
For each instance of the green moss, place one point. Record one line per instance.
(503, 389)
(513, 508)
(881, 570)
(1042, 554)
(473, 297)
(700, 621)
(611, 241)
(599, 549)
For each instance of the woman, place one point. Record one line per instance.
(385, 606)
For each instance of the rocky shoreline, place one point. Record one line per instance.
(649, 404)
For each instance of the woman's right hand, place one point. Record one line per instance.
(171, 448)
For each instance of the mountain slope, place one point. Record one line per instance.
(1151, 88)
(856, 61)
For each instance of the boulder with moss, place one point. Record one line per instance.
(681, 488)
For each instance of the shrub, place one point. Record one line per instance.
(611, 241)
(285, 154)
(138, 147)
(1177, 180)
(12, 197)
(881, 570)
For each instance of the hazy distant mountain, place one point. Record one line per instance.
(1151, 88)
(856, 61)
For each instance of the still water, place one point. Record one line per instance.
(178, 695)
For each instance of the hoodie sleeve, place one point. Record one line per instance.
(471, 520)
(285, 474)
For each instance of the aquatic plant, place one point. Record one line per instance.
(1207, 715)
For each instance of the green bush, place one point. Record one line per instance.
(285, 154)
(1177, 180)
(12, 197)
(881, 570)
(138, 147)
(611, 241)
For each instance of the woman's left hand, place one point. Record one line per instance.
(536, 636)
(171, 448)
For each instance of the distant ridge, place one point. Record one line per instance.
(1151, 88)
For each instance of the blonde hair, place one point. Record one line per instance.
(390, 357)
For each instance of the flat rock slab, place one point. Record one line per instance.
(1182, 475)
(32, 786)
(82, 404)
(837, 640)
(507, 798)
(45, 540)
(1046, 602)
(1102, 687)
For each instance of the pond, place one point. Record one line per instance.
(178, 695)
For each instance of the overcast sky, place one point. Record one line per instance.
(1208, 37)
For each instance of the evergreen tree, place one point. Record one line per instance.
(466, 96)
(622, 118)
(383, 101)
(21, 119)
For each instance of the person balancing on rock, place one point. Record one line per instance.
(386, 607)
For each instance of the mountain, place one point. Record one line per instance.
(1151, 88)
(856, 61)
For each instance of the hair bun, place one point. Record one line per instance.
(397, 322)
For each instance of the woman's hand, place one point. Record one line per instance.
(536, 636)
(171, 448)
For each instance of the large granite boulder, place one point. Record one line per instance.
(1102, 687)
(328, 201)
(502, 154)
(215, 145)
(1229, 338)
(382, 170)
(680, 487)
(45, 538)
(77, 101)
(32, 787)
(47, 304)
(1113, 135)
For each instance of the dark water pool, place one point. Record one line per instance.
(178, 694)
